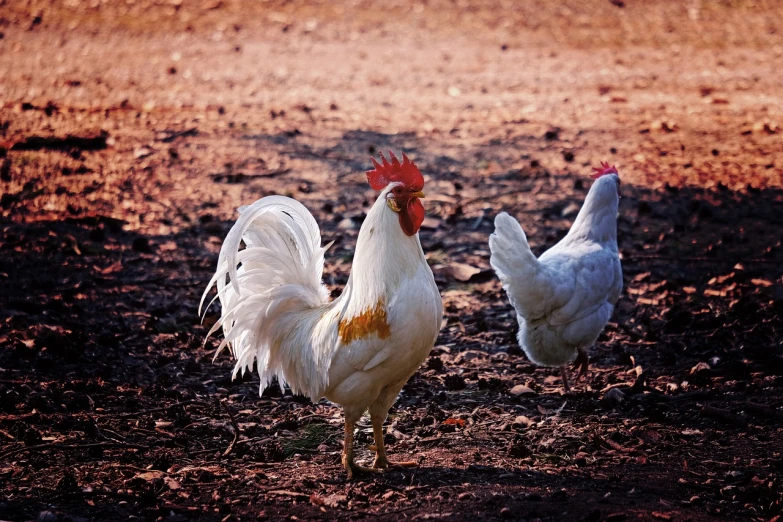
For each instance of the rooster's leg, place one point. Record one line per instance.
(582, 362)
(350, 466)
(381, 462)
(564, 373)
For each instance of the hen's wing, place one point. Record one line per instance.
(589, 275)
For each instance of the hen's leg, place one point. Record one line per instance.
(564, 373)
(582, 362)
(348, 463)
(381, 462)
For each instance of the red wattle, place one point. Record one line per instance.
(412, 216)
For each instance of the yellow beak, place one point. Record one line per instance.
(418, 194)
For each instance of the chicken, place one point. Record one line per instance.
(564, 299)
(357, 350)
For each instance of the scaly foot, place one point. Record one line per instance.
(564, 373)
(384, 463)
(352, 467)
(582, 362)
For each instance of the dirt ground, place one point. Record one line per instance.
(131, 130)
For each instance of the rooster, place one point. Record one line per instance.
(357, 350)
(564, 298)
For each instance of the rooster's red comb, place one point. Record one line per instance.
(405, 172)
(603, 170)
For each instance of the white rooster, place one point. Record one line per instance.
(357, 350)
(564, 298)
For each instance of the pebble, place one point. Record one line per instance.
(614, 395)
(520, 390)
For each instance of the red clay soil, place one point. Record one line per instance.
(131, 130)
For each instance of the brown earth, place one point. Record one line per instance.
(131, 130)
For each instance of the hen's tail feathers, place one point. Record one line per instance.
(278, 280)
(515, 265)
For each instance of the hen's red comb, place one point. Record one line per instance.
(405, 172)
(603, 170)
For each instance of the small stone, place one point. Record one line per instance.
(142, 152)
(570, 209)
(614, 395)
(520, 389)
(522, 422)
(346, 224)
(701, 367)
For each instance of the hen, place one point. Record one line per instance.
(357, 350)
(564, 299)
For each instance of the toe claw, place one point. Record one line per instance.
(386, 464)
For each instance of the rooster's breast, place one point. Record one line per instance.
(388, 343)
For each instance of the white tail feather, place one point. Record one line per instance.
(275, 292)
(517, 268)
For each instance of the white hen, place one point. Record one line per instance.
(564, 299)
(358, 350)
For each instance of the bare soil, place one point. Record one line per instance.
(131, 130)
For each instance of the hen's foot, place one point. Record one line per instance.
(352, 468)
(582, 362)
(384, 463)
(564, 373)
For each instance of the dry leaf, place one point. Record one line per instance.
(461, 271)
(454, 422)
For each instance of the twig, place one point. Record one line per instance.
(371, 514)
(239, 176)
(129, 466)
(723, 415)
(152, 410)
(19, 417)
(57, 445)
(236, 430)
(93, 493)
(694, 395)
(69, 142)
(764, 410)
(193, 131)
(478, 221)
(699, 259)
(611, 444)
(203, 451)
(286, 493)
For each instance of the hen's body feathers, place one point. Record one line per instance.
(563, 299)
